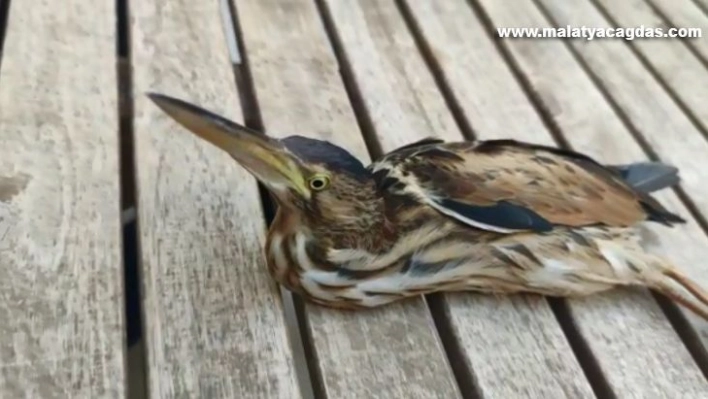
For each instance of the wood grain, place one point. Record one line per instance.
(512, 346)
(638, 350)
(687, 14)
(590, 125)
(213, 317)
(684, 73)
(703, 5)
(61, 294)
(649, 109)
(391, 352)
(640, 97)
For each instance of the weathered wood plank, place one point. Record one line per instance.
(648, 108)
(703, 5)
(392, 352)
(61, 294)
(638, 348)
(687, 14)
(673, 61)
(214, 319)
(501, 338)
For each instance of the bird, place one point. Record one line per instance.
(496, 217)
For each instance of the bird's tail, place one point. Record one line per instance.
(670, 282)
(648, 177)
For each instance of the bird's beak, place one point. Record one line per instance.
(265, 157)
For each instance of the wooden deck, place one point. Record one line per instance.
(79, 141)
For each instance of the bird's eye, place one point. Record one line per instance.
(319, 182)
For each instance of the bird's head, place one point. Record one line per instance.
(326, 187)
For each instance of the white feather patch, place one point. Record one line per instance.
(300, 251)
(327, 278)
(276, 252)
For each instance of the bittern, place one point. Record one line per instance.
(496, 216)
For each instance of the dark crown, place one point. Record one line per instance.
(333, 157)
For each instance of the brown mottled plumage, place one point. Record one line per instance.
(560, 187)
(491, 216)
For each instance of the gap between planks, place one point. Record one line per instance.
(418, 363)
(632, 127)
(559, 306)
(689, 14)
(303, 320)
(136, 360)
(364, 119)
(214, 322)
(465, 376)
(70, 319)
(353, 97)
(651, 153)
(688, 336)
(663, 77)
(309, 381)
(517, 76)
(131, 277)
(436, 302)
(622, 114)
(463, 124)
(703, 5)
(685, 100)
(4, 11)
(464, 380)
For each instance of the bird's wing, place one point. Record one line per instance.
(508, 186)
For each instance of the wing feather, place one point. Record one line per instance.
(508, 186)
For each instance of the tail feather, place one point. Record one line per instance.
(648, 177)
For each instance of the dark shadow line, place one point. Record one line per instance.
(4, 17)
(527, 87)
(441, 81)
(586, 359)
(701, 6)
(588, 362)
(366, 126)
(625, 119)
(311, 357)
(688, 334)
(686, 41)
(310, 380)
(463, 372)
(356, 99)
(672, 313)
(647, 64)
(463, 376)
(131, 246)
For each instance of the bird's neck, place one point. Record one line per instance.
(364, 229)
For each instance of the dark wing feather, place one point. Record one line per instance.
(501, 215)
(648, 176)
(509, 186)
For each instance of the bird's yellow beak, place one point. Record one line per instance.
(264, 157)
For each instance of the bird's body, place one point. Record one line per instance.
(497, 216)
(401, 247)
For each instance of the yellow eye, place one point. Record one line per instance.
(319, 182)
